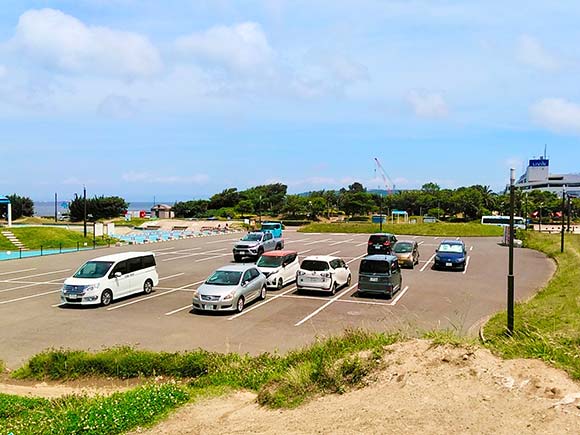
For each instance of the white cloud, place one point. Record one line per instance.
(557, 114)
(119, 106)
(61, 41)
(3, 71)
(531, 52)
(243, 47)
(428, 104)
(149, 177)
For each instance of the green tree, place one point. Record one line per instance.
(244, 207)
(102, 207)
(295, 205)
(21, 206)
(226, 198)
(191, 209)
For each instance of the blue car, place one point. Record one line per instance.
(451, 254)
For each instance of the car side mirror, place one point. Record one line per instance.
(118, 274)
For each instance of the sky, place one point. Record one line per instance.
(181, 99)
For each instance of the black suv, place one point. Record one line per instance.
(381, 243)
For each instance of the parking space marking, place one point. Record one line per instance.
(399, 296)
(178, 252)
(211, 258)
(362, 244)
(421, 242)
(471, 249)
(39, 274)
(466, 264)
(116, 307)
(34, 284)
(428, 262)
(162, 249)
(347, 301)
(415, 237)
(305, 252)
(172, 276)
(341, 241)
(296, 241)
(190, 306)
(18, 271)
(334, 253)
(29, 297)
(330, 302)
(193, 255)
(221, 241)
(356, 258)
(264, 302)
(317, 241)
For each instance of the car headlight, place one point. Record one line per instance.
(195, 294)
(230, 295)
(90, 288)
(438, 258)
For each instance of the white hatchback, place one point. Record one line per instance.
(324, 273)
(280, 267)
(104, 279)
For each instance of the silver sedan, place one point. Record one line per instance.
(230, 288)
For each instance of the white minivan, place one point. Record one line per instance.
(104, 279)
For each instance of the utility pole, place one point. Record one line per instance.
(85, 210)
(569, 212)
(563, 217)
(510, 295)
(55, 207)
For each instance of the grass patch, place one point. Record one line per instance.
(331, 365)
(50, 238)
(448, 337)
(440, 229)
(134, 222)
(548, 326)
(115, 414)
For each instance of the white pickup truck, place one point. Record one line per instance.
(254, 244)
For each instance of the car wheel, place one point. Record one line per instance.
(280, 284)
(237, 258)
(412, 265)
(240, 305)
(260, 252)
(279, 247)
(148, 287)
(334, 288)
(106, 298)
(263, 293)
(348, 280)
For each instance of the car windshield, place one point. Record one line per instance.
(314, 265)
(93, 269)
(270, 226)
(452, 248)
(402, 248)
(268, 261)
(370, 266)
(252, 237)
(378, 239)
(224, 277)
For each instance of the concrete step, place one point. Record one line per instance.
(14, 240)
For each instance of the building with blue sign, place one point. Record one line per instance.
(538, 177)
(6, 201)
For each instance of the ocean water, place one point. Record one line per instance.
(46, 208)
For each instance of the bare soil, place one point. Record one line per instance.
(422, 390)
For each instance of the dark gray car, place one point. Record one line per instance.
(379, 274)
(230, 288)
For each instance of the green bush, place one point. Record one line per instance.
(296, 223)
(359, 219)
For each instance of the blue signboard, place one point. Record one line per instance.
(540, 163)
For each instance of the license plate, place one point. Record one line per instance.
(374, 280)
(73, 296)
(209, 307)
(449, 264)
(378, 246)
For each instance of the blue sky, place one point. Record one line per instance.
(182, 98)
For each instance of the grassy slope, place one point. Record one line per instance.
(548, 326)
(48, 237)
(441, 229)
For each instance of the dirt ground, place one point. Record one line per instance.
(422, 389)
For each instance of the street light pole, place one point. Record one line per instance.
(563, 217)
(380, 212)
(85, 210)
(510, 295)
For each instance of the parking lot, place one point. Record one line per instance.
(32, 318)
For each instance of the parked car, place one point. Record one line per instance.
(324, 273)
(379, 274)
(407, 251)
(255, 243)
(381, 243)
(274, 227)
(451, 254)
(279, 267)
(230, 288)
(104, 279)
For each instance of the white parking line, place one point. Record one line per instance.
(193, 255)
(268, 300)
(317, 241)
(212, 258)
(305, 252)
(18, 271)
(346, 301)
(221, 241)
(334, 299)
(31, 285)
(162, 249)
(334, 253)
(172, 276)
(421, 242)
(356, 258)
(415, 237)
(29, 297)
(471, 249)
(190, 306)
(38, 274)
(399, 296)
(116, 307)
(296, 241)
(466, 264)
(362, 244)
(342, 241)
(428, 262)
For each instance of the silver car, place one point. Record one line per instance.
(230, 288)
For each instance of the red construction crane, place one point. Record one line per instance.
(389, 185)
